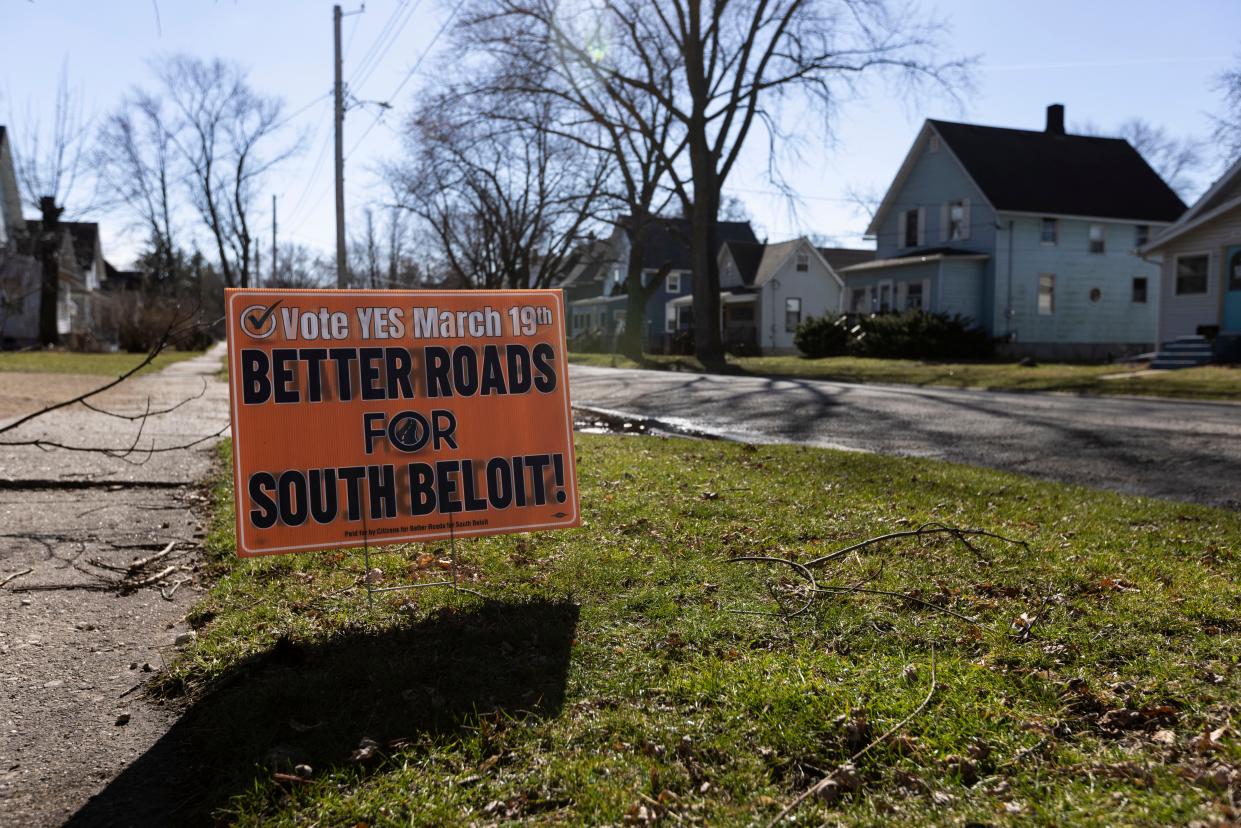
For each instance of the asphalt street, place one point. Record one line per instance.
(1187, 451)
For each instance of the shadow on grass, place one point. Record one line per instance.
(313, 704)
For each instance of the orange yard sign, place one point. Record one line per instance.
(397, 416)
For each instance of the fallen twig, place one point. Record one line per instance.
(168, 593)
(129, 585)
(961, 535)
(798, 568)
(144, 562)
(887, 734)
(15, 576)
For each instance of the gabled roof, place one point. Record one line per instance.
(85, 236)
(666, 240)
(588, 264)
(747, 256)
(1222, 197)
(1049, 172)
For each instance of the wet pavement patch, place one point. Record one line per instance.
(603, 421)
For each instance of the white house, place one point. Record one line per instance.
(766, 290)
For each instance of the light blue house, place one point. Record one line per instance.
(1032, 234)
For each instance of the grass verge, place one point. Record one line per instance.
(71, 362)
(606, 679)
(1210, 382)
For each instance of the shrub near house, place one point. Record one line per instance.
(912, 335)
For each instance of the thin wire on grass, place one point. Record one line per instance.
(887, 734)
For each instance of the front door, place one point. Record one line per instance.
(1232, 290)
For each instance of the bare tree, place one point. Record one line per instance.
(733, 65)
(1227, 133)
(50, 162)
(524, 63)
(297, 266)
(228, 137)
(505, 204)
(136, 159)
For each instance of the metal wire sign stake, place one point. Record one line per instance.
(398, 417)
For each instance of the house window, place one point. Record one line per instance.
(1191, 274)
(1051, 231)
(1141, 234)
(1046, 294)
(803, 262)
(670, 319)
(1096, 238)
(859, 301)
(913, 296)
(1139, 290)
(672, 283)
(885, 298)
(910, 237)
(792, 313)
(958, 220)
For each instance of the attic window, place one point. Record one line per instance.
(803, 262)
(673, 283)
(1050, 231)
(1141, 234)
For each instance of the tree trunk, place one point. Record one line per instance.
(708, 346)
(633, 340)
(49, 259)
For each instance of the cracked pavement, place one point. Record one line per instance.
(72, 661)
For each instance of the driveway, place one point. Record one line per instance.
(73, 660)
(1176, 450)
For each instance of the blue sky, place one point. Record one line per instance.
(1106, 60)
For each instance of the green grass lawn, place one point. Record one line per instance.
(609, 679)
(1213, 382)
(70, 362)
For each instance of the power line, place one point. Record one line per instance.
(409, 74)
(364, 75)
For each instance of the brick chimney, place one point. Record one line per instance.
(1055, 119)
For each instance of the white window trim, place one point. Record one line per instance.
(798, 258)
(673, 286)
(801, 307)
(1038, 296)
(1176, 265)
(1090, 242)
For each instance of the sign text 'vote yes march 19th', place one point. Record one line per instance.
(397, 416)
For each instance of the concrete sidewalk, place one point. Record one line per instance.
(72, 660)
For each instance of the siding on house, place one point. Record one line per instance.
(1114, 318)
(935, 178)
(1181, 315)
(819, 291)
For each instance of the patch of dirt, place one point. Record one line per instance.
(22, 393)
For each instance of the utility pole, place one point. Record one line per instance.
(341, 276)
(273, 238)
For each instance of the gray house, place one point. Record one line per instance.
(1031, 234)
(1200, 270)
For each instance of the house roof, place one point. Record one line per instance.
(588, 263)
(1222, 197)
(85, 236)
(1047, 172)
(842, 257)
(747, 256)
(666, 240)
